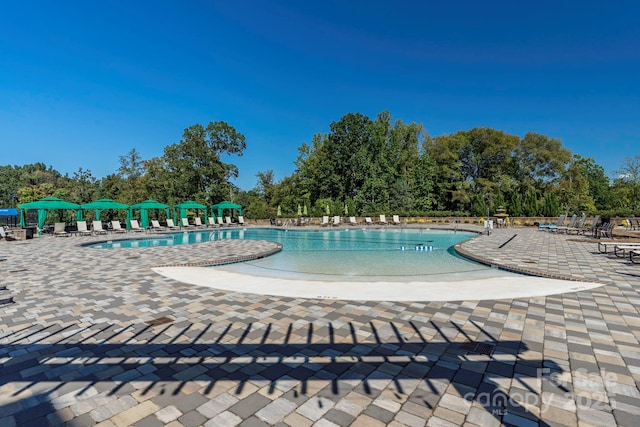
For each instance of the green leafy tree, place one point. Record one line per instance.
(424, 182)
(131, 170)
(630, 176)
(575, 187)
(10, 183)
(82, 187)
(539, 161)
(195, 163)
(266, 185)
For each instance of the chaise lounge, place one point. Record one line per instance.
(59, 229)
(97, 228)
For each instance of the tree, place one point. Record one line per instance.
(195, 163)
(83, 186)
(575, 187)
(630, 175)
(265, 185)
(10, 183)
(539, 160)
(131, 170)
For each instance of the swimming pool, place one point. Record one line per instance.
(352, 254)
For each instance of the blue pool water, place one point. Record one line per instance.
(350, 253)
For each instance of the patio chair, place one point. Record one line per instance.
(220, 221)
(135, 226)
(116, 227)
(547, 226)
(59, 229)
(368, 220)
(325, 220)
(211, 222)
(198, 222)
(6, 234)
(633, 254)
(383, 220)
(228, 222)
(604, 230)
(559, 229)
(155, 226)
(603, 247)
(97, 228)
(240, 220)
(621, 249)
(185, 223)
(83, 230)
(171, 225)
(352, 220)
(396, 220)
(579, 225)
(336, 221)
(594, 226)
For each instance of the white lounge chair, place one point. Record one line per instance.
(211, 222)
(171, 225)
(621, 249)
(97, 228)
(325, 221)
(240, 220)
(135, 226)
(116, 227)
(352, 220)
(82, 228)
(198, 222)
(383, 219)
(228, 222)
(336, 221)
(368, 220)
(185, 223)
(396, 220)
(59, 229)
(6, 234)
(220, 221)
(603, 246)
(155, 225)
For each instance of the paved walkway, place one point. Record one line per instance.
(94, 337)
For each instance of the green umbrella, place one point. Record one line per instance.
(304, 211)
(346, 209)
(327, 210)
(279, 211)
(299, 211)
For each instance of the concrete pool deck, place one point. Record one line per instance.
(96, 337)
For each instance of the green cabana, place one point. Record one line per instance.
(144, 211)
(226, 205)
(105, 204)
(47, 204)
(189, 204)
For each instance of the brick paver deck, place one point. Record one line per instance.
(94, 337)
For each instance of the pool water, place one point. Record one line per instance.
(354, 254)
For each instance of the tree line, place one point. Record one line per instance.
(362, 166)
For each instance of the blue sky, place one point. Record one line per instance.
(83, 83)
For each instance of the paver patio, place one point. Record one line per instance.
(95, 337)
